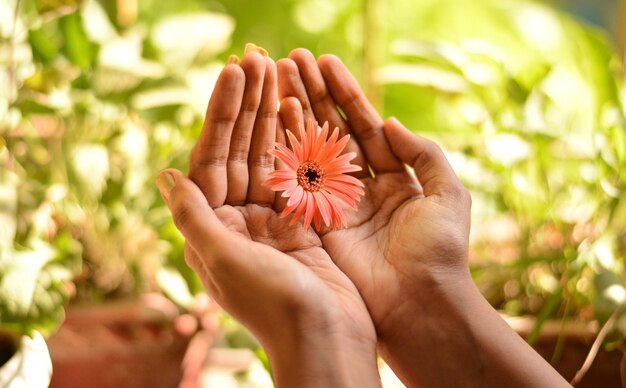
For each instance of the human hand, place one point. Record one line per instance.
(406, 247)
(276, 280)
(407, 232)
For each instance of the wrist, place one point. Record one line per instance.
(414, 338)
(426, 297)
(325, 358)
(449, 335)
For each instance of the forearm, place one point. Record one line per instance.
(460, 340)
(306, 360)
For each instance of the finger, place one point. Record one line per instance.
(290, 85)
(260, 162)
(191, 213)
(323, 105)
(280, 134)
(291, 114)
(364, 121)
(430, 164)
(253, 65)
(207, 165)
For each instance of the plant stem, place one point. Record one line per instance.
(593, 352)
(560, 342)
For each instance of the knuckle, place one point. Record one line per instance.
(267, 114)
(459, 194)
(249, 106)
(317, 95)
(428, 153)
(240, 137)
(261, 160)
(369, 132)
(213, 156)
(351, 98)
(238, 155)
(431, 148)
(213, 160)
(224, 120)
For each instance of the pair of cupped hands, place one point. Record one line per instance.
(321, 303)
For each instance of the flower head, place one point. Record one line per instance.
(315, 179)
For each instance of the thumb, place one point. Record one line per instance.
(190, 210)
(427, 159)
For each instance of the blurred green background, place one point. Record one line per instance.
(97, 96)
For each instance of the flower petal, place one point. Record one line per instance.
(283, 174)
(323, 206)
(317, 221)
(288, 210)
(321, 141)
(338, 216)
(310, 209)
(286, 155)
(311, 136)
(296, 197)
(281, 184)
(304, 155)
(342, 164)
(295, 145)
(346, 188)
(300, 210)
(333, 151)
(347, 199)
(348, 179)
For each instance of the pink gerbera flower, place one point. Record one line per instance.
(315, 179)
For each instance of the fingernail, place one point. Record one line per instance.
(233, 60)
(251, 47)
(165, 182)
(262, 51)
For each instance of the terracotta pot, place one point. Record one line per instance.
(130, 344)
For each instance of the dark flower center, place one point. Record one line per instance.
(311, 176)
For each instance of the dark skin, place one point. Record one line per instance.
(406, 248)
(420, 217)
(395, 279)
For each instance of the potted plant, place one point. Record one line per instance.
(34, 285)
(94, 111)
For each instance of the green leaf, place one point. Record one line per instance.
(77, 47)
(44, 48)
